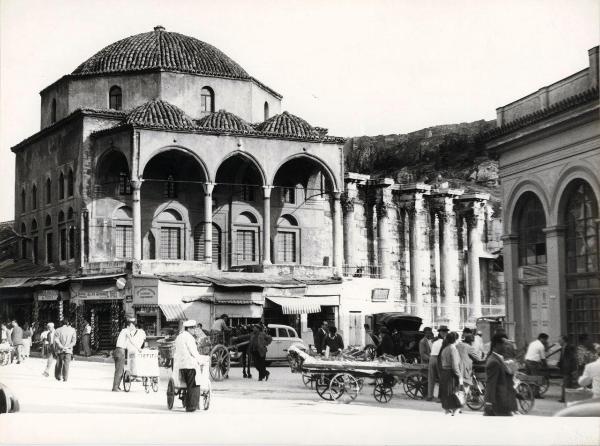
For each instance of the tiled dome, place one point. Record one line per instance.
(158, 113)
(223, 120)
(160, 49)
(286, 124)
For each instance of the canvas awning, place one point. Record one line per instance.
(173, 312)
(296, 305)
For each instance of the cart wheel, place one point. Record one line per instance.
(170, 393)
(146, 384)
(382, 393)
(219, 363)
(126, 381)
(415, 386)
(308, 379)
(475, 397)
(322, 386)
(525, 397)
(370, 351)
(346, 385)
(155, 383)
(543, 388)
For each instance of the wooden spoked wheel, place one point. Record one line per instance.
(382, 393)
(126, 381)
(322, 386)
(525, 397)
(220, 363)
(475, 397)
(415, 386)
(344, 386)
(307, 379)
(170, 393)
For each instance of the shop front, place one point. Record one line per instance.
(16, 301)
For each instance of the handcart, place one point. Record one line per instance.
(142, 367)
(177, 387)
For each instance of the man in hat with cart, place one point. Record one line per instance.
(125, 342)
(186, 360)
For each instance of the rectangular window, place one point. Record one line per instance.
(247, 193)
(124, 242)
(63, 244)
(124, 184)
(49, 248)
(170, 243)
(289, 195)
(35, 249)
(71, 242)
(245, 246)
(286, 250)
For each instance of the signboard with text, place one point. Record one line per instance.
(380, 294)
(47, 295)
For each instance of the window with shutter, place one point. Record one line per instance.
(124, 241)
(245, 246)
(286, 250)
(170, 247)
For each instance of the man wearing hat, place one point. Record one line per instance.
(425, 345)
(187, 359)
(125, 342)
(433, 375)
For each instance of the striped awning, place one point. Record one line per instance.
(295, 305)
(173, 312)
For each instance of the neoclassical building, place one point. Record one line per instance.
(548, 144)
(167, 182)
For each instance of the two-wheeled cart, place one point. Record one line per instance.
(177, 387)
(142, 367)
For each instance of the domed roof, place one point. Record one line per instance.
(286, 124)
(160, 49)
(159, 113)
(223, 120)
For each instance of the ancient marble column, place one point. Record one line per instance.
(136, 186)
(348, 207)
(383, 248)
(475, 223)
(338, 236)
(208, 220)
(267, 224)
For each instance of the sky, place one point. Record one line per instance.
(356, 67)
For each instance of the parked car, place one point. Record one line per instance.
(284, 337)
(406, 341)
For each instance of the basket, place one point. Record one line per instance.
(144, 363)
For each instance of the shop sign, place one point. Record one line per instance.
(99, 295)
(105, 267)
(129, 298)
(380, 294)
(145, 295)
(47, 295)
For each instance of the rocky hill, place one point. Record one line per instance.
(452, 153)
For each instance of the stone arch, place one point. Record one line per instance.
(251, 159)
(567, 179)
(182, 149)
(322, 164)
(246, 217)
(531, 185)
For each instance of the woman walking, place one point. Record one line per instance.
(85, 339)
(451, 378)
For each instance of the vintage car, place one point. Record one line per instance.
(404, 329)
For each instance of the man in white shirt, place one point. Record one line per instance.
(125, 342)
(591, 374)
(187, 359)
(535, 358)
(433, 374)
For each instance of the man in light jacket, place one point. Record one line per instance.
(64, 341)
(187, 359)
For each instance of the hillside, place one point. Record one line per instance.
(452, 153)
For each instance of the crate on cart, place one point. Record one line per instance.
(144, 363)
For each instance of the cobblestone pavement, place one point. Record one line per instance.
(281, 410)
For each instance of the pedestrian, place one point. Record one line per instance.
(221, 329)
(465, 351)
(86, 338)
(319, 337)
(425, 345)
(16, 340)
(535, 358)
(48, 351)
(567, 364)
(187, 360)
(139, 336)
(243, 343)
(500, 396)
(64, 340)
(478, 347)
(334, 344)
(4, 334)
(451, 378)
(585, 352)
(27, 338)
(124, 344)
(258, 350)
(591, 374)
(432, 369)
(386, 346)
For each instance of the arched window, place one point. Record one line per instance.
(23, 200)
(61, 216)
(246, 235)
(72, 242)
(581, 215)
(266, 110)
(53, 112)
(61, 186)
(531, 222)
(70, 214)
(23, 241)
(34, 197)
(171, 233)
(34, 238)
(34, 225)
(48, 191)
(70, 183)
(115, 98)
(123, 233)
(48, 221)
(207, 100)
(287, 239)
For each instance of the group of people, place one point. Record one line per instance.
(328, 341)
(57, 349)
(18, 339)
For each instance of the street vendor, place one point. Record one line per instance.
(125, 343)
(333, 343)
(221, 324)
(187, 360)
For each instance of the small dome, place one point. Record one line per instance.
(160, 49)
(286, 124)
(223, 120)
(158, 113)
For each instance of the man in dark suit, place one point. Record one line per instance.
(567, 365)
(500, 397)
(319, 337)
(425, 345)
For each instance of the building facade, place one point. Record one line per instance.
(548, 144)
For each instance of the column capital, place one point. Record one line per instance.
(208, 188)
(408, 206)
(267, 191)
(336, 195)
(347, 203)
(382, 208)
(136, 184)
